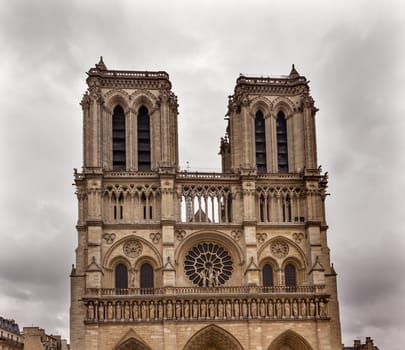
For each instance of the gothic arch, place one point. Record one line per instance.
(301, 261)
(116, 97)
(144, 98)
(262, 104)
(283, 104)
(210, 236)
(289, 340)
(213, 338)
(153, 256)
(131, 341)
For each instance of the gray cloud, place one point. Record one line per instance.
(351, 51)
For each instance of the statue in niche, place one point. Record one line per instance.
(126, 311)
(312, 308)
(211, 309)
(101, 311)
(303, 308)
(270, 309)
(262, 309)
(295, 308)
(244, 309)
(169, 310)
(135, 310)
(323, 312)
(110, 311)
(236, 308)
(220, 310)
(144, 311)
(118, 311)
(287, 309)
(195, 309)
(160, 310)
(186, 310)
(90, 311)
(228, 310)
(279, 312)
(253, 308)
(132, 279)
(203, 309)
(178, 310)
(152, 310)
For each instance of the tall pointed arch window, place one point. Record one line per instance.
(282, 147)
(121, 276)
(260, 138)
(144, 163)
(118, 136)
(267, 276)
(147, 283)
(290, 275)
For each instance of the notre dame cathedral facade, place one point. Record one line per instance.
(180, 260)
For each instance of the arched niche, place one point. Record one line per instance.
(213, 338)
(289, 340)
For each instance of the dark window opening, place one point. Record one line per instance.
(282, 146)
(260, 138)
(121, 277)
(147, 283)
(115, 212)
(267, 276)
(118, 138)
(121, 212)
(144, 162)
(150, 212)
(290, 276)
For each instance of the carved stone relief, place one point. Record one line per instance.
(132, 248)
(155, 237)
(109, 237)
(279, 248)
(261, 237)
(207, 309)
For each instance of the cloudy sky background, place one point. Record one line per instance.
(353, 53)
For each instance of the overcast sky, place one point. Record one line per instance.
(353, 52)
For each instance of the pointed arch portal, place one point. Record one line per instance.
(213, 338)
(133, 344)
(289, 340)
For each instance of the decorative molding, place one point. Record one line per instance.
(180, 234)
(279, 248)
(132, 248)
(236, 235)
(261, 237)
(155, 237)
(298, 237)
(109, 237)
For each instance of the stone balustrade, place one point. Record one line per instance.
(228, 290)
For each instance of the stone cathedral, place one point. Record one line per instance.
(179, 260)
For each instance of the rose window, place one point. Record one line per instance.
(208, 265)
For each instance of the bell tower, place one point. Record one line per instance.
(170, 259)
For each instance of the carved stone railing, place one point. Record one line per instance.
(197, 308)
(130, 74)
(186, 175)
(230, 291)
(281, 80)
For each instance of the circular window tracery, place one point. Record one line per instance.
(132, 248)
(208, 265)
